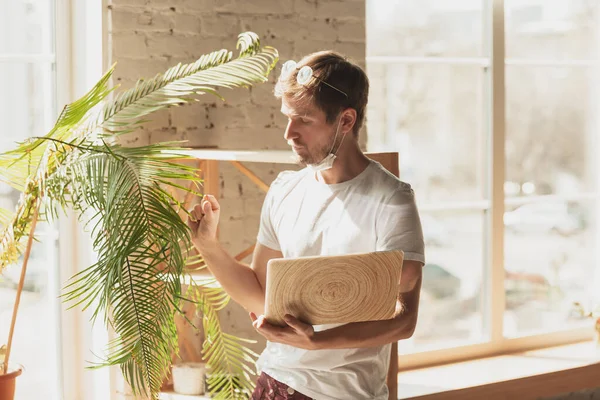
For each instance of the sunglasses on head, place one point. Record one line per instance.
(304, 75)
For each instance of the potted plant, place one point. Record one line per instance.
(125, 196)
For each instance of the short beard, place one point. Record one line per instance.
(318, 155)
(314, 156)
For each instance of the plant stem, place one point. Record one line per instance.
(74, 145)
(20, 287)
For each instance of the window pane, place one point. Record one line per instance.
(551, 29)
(36, 330)
(26, 101)
(431, 115)
(551, 261)
(25, 26)
(450, 311)
(550, 130)
(437, 28)
(27, 108)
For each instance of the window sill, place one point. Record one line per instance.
(522, 375)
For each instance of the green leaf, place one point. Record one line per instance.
(120, 194)
(180, 83)
(230, 362)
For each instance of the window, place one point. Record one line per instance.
(436, 99)
(28, 108)
(551, 173)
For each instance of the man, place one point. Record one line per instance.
(341, 203)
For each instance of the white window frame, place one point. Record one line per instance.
(493, 309)
(53, 306)
(80, 49)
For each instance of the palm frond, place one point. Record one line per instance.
(14, 234)
(138, 237)
(17, 165)
(230, 361)
(141, 241)
(248, 44)
(5, 217)
(180, 83)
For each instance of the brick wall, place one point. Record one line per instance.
(148, 36)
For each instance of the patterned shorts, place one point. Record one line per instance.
(268, 388)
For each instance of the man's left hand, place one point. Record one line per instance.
(296, 333)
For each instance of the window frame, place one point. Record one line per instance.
(494, 64)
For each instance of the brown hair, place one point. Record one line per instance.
(329, 68)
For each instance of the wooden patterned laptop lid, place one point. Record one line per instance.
(333, 289)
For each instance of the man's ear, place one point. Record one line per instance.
(348, 119)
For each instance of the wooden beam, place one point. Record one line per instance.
(245, 253)
(244, 170)
(392, 378)
(211, 177)
(389, 161)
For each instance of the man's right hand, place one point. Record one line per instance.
(203, 222)
(244, 283)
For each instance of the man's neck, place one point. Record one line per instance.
(349, 163)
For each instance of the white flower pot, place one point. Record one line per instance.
(188, 378)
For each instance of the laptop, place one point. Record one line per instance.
(322, 290)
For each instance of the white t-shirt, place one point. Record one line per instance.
(304, 217)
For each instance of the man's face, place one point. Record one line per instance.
(308, 132)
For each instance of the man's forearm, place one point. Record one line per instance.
(366, 334)
(236, 278)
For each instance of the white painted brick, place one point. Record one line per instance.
(135, 19)
(305, 7)
(310, 28)
(129, 44)
(186, 23)
(355, 51)
(229, 199)
(270, 26)
(234, 139)
(263, 116)
(139, 137)
(285, 48)
(263, 94)
(200, 137)
(250, 138)
(203, 45)
(350, 30)
(333, 8)
(158, 120)
(132, 69)
(188, 116)
(122, 18)
(187, 6)
(236, 96)
(251, 229)
(166, 134)
(221, 25)
(278, 7)
(229, 232)
(123, 83)
(171, 44)
(228, 117)
(304, 47)
(131, 2)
